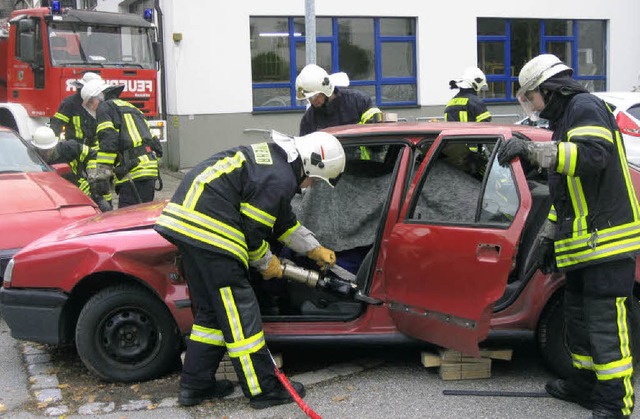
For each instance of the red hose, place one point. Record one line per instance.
(296, 397)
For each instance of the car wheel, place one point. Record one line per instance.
(126, 334)
(552, 338)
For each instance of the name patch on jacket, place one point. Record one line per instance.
(262, 153)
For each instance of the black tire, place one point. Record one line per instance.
(552, 341)
(126, 334)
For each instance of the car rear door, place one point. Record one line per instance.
(450, 254)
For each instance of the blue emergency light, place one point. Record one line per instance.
(148, 15)
(56, 7)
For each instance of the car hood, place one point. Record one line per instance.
(130, 218)
(41, 191)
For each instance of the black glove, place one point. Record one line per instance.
(100, 187)
(103, 204)
(545, 255)
(515, 147)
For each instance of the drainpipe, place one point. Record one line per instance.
(163, 93)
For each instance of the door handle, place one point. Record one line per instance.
(488, 252)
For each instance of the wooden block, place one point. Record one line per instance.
(466, 370)
(502, 354)
(429, 359)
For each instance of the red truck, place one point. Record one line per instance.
(44, 50)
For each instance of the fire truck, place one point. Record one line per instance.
(44, 50)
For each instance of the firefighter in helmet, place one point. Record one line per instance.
(220, 218)
(80, 158)
(126, 146)
(466, 106)
(592, 233)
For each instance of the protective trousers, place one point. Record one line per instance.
(596, 303)
(144, 192)
(227, 319)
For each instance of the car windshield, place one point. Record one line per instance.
(634, 111)
(106, 46)
(18, 157)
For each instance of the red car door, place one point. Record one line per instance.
(451, 251)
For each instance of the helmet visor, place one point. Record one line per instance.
(526, 102)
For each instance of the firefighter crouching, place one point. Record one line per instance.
(592, 234)
(220, 218)
(126, 146)
(80, 158)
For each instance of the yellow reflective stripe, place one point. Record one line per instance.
(582, 361)
(106, 157)
(283, 237)
(458, 101)
(246, 346)
(579, 204)
(91, 164)
(483, 116)
(262, 154)
(604, 235)
(631, 193)
(464, 116)
(567, 158)
(259, 252)
(74, 166)
(216, 226)
(368, 114)
(238, 335)
(132, 130)
(623, 331)
(77, 124)
(616, 369)
(591, 131)
(257, 214)
(221, 167)
(602, 251)
(64, 118)
(627, 399)
(207, 335)
(121, 102)
(105, 125)
(553, 215)
(84, 186)
(364, 153)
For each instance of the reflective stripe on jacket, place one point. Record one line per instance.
(466, 106)
(233, 202)
(74, 119)
(594, 202)
(346, 108)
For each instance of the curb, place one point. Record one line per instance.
(46, 389)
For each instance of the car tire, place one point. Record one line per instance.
(552, 341)
(126, 334)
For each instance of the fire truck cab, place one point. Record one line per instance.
(44, 50)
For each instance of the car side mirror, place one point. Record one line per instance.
(62, 169)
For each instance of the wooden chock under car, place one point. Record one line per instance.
(454, 365)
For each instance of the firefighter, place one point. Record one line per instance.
(126, 146)
(80, 158)
(592, 234)
(466, 106)
(220, 218)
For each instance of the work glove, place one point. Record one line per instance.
(544, 250)
(322, 256)
(542, 154)
(103, 204)
(100, 187)
(273, 269)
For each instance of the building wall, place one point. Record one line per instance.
(209, 95)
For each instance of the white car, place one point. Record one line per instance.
(626, 108)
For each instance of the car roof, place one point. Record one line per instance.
(620, 99)
(420, 129)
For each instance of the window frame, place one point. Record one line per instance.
(378, 82)
(512, 80)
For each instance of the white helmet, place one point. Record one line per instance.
(93, 88)
(322, 156)
(86, 78)
(538, 70)
(472, 78)
(314, 79)
(44, 138)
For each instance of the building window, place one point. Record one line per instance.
(378, 54)
(505, 45)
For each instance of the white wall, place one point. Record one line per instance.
(210, 70)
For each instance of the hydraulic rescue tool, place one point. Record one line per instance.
(322, 281)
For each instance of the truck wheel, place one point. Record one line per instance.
(126, 334)
(552, 341)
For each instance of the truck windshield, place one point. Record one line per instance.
(74, 44)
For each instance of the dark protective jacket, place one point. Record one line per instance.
(594, 202)
(126, 142)
(232, 202)
(76, 122)
(466, 106)
(347, 107)
(80, 157)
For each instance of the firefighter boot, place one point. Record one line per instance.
(606, 414)
(278, 395)
(191, 396)
(564, 390)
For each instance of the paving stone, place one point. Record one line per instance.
(44, 381)
(37, 358)
(136, 405)
(56, 410)
(32, 349)
(96, 408)
(48, 395)
(38, 369)
(168, 402)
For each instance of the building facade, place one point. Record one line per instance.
(230, 68)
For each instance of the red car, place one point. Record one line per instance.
(434, 238)
(35, 199)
